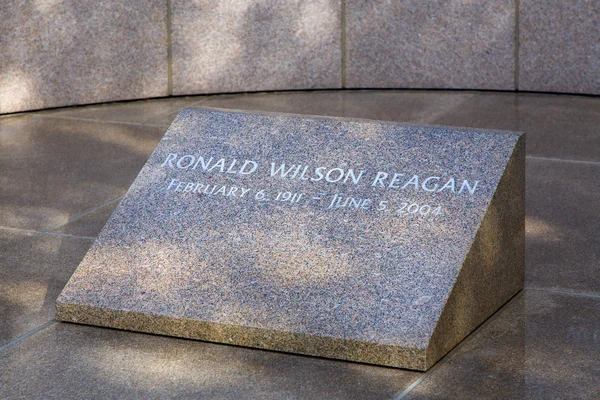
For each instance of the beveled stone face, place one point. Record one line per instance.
(333, 237)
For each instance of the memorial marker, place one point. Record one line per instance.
(359, 240)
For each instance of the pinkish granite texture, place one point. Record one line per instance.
(430, 44)
(559, 46)
(57, 53)
(250, 45)
(213, 253)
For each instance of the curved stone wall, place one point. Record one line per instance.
(56, 53)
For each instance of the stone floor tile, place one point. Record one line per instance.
(562, 223)
(33, 271)
(54, 169)
(67, 361)
(559, 126)
(145, 111)
(540, 346)
(404, 106)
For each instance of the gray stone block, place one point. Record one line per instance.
(73, 52)
(430, 44)
(384, 243)
(248, 45)
(559, 46)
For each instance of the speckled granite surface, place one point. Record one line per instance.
(437, 43)
(559, 46)
(242, 46)
(201, 253)
(57, 53)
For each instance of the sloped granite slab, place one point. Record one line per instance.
(360, 240)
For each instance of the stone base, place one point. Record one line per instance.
(367, 286)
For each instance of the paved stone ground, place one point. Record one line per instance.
(62, 172)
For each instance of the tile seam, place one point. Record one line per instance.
(564, 160)
(436, 115)
(343, 44)
(33, 232)
(68, 236)
(28, 334)
(75, 218)
(8, 228)
(101, 121)
(448, 356)
(517, 43)
(563, 292)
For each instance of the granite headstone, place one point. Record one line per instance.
(359, 240)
